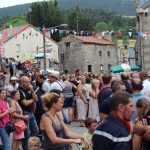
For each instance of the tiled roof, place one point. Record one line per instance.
(92, 39)
(144, 4)
(9, 33)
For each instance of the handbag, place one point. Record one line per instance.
(20, 126)
(9, 126)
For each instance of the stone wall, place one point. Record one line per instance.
(79, 55)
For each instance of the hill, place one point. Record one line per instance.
(123, 7)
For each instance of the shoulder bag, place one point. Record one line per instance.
(20, 126)
(9, 126)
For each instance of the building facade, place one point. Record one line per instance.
(89, 54)
(142, 52)
(26, 41)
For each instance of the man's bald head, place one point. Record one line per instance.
(24, 81)
(125, 76)
(24, 78)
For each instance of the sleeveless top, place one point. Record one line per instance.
(59, 130)
(18, 111)
(67, 91)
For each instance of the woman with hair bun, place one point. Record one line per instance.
(53, 127)
(17, 116)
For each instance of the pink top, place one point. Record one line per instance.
(4, 108)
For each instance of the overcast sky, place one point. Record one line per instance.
(6, 3)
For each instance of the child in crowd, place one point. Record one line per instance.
(34, 143)
(91, 125)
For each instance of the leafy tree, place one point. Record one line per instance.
(117, 21)
(101, 26)
(45, 13)
(79, 20)
(17, 21)
(3, 20)
(35, 16)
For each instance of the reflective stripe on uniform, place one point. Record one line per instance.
(114, 139)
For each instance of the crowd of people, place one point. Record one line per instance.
(114, 109)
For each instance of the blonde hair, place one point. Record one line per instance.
(49, 99)
(35, 140)
(93, 83)
(144, 105)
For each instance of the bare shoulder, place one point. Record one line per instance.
(45, 121)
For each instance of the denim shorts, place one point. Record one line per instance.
(68, 102)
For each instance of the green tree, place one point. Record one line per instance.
(101, 26)
(45, 13)
(117, 22)
(17, 21)
(35, 15)
(79, 20)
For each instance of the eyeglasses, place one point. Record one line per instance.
(58, 95)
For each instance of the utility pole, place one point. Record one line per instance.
(44, 50)
(77, 25)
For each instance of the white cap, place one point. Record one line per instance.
(13, 78)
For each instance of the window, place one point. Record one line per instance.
(146, 14)
(138, 18)
(17, 47)
(62, 58)
(136, 58)
(66, 71)
(100, 53)
(67, 44)
(89, 68)
(101, 67)
(109, 66)
(108, 53)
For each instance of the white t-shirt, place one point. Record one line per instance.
(46, 86)
(56, 86)
(146, 87)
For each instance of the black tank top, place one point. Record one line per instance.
(59, 130)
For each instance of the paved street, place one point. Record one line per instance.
(75, 127)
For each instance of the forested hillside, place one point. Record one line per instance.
(123, 7)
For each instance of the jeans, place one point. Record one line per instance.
(5, 138)
(32, 130)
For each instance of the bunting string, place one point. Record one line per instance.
(120, 34)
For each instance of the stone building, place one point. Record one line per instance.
(143, 25)
(87, 53)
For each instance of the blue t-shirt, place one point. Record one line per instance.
(105, 107)
(103, 94)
